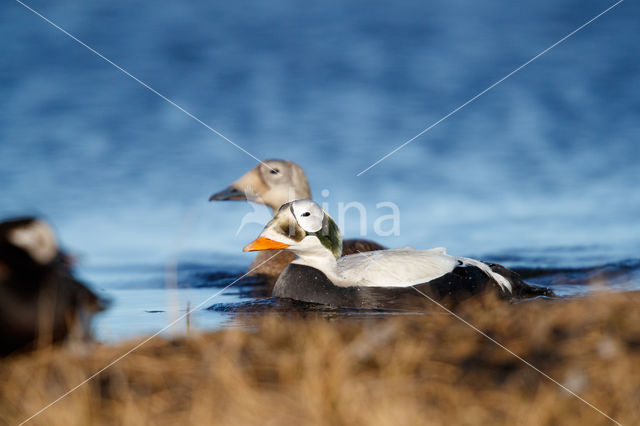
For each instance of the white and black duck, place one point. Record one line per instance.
(377, 279)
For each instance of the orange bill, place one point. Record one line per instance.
(263, 243)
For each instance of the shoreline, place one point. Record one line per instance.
(287, 369)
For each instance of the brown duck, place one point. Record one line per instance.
(274, 183)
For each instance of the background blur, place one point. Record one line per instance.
(542, 170)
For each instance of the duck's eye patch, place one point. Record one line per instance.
(305, 214)
(274, 171)
(290, 229)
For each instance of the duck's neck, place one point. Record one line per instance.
(317, 257)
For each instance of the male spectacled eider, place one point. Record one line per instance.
(40, 300)
(376, 279)
(273, 183)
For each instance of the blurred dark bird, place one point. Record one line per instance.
(274, 183)
(40, 300)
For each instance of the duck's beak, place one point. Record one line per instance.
(229, 193)
(264, 243)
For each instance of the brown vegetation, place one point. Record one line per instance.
(417, 369)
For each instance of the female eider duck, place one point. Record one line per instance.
(377, 279)
(273, 183)
(40, 300)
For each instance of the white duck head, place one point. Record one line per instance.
(302, 227)
(272, 182)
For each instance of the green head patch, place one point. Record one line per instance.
(330, 236)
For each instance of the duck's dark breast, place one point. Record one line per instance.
(308, 284)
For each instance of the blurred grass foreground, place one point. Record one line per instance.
(415, 369)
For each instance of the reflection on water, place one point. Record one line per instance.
(140, 312)
(221, 298)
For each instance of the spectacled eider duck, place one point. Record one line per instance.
(40, 300)
(273, 183)
(376, 279)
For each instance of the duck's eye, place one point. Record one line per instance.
(274, 171)
(308, 214)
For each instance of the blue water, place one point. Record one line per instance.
(540, 172)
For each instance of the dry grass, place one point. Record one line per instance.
(428, 369)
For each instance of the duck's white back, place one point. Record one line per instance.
(394, 268)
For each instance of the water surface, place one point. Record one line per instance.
(541, 172)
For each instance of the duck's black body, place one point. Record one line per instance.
(40, 304)
(305, 283)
